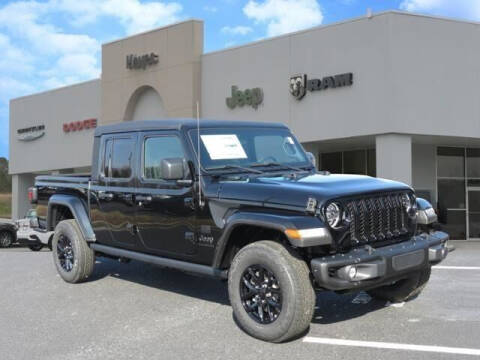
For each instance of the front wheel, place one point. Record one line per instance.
(405, 289)
(72, 256)
(271, 292)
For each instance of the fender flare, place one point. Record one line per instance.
(274, 222)
(78, 210)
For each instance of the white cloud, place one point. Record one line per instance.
(11, 87)
(134, 15)
(468, 9)
(283, 16)
(14, 59)
(236, 30)
(25, 20)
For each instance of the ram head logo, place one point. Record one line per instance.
(297, 86)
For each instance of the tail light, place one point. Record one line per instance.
(33, 195)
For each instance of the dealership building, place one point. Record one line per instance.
(394, 95)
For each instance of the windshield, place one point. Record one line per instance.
(246, 147)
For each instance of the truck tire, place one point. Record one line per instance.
(72, 256)
(271, 292)
(6, 239)
(35, 247)
(403, 290)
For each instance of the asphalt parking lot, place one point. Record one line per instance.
(138, 311)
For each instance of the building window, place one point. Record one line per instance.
(361, 162)
(451, 203)
(332, 162)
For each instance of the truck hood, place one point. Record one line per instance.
(294, 192)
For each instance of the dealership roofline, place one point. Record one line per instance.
(347, 21)
(254, 43)
(153, 30)
(61, 88)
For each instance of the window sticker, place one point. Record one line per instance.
(222, 147)
(290, 140)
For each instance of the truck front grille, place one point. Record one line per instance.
(377, 219)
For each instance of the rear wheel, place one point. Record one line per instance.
(403, 290)
(6, 239)
(35, 247)
(72, 256)
(271, 292)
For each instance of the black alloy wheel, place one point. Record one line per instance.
(6, 239)
(65, 253)
(261, 294)
(35, 247)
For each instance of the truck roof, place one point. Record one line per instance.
(179, 124)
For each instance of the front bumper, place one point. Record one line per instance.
(25, 238)
(22, 241)
(364, 268)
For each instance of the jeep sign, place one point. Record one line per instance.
(252, 97)
(142, 61)
(299, 83)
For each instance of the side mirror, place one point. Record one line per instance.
(173, 169)
(312, 158)
(34, 223)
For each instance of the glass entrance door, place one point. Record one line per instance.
(473, 212)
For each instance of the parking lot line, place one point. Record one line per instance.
(446, 267)
(393, 346)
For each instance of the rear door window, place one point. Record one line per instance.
(122, 158)
(118, 158)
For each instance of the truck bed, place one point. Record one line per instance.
(63, 181)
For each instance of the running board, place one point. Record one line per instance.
(161, 261)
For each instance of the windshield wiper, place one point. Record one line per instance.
(237, 167)
(273, 163)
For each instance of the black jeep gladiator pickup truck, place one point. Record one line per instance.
(240, 201)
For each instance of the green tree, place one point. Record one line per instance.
(5, 179)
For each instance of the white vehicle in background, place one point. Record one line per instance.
(31, 232)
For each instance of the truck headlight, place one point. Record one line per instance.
(409, 203)
(333, 214)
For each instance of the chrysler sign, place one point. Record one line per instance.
(31, 133)
(299, 84)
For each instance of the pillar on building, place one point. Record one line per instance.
(394, 157)
(20, 202)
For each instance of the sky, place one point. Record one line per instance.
(45, 44)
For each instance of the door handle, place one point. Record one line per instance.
(102, 195)
(133, 229)
(143, 198)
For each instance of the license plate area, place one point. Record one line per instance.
(409, 260)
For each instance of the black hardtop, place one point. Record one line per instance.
(179, 124)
